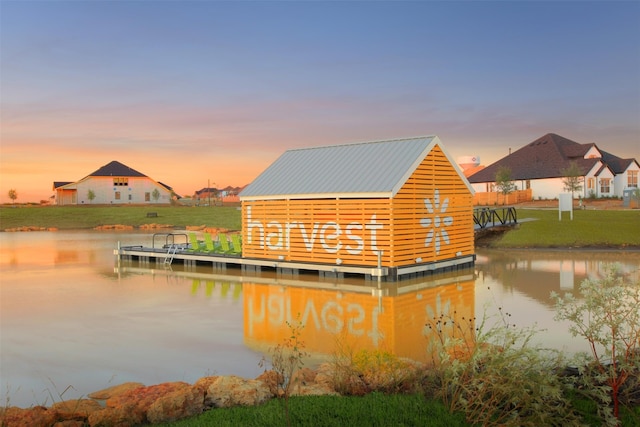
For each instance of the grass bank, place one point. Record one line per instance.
(87, 217)
(540, 227)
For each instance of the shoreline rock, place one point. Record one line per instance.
(131, 404)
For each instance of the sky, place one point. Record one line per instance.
(198, 93)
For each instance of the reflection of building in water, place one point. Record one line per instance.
(392, 318)
(388, 316)
(538, 273)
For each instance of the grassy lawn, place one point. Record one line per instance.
(87, 217)
(589, 228)
(374, 409)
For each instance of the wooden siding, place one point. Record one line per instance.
(430, 219)
(437, 197)
(317, 230)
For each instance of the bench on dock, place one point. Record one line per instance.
(152, 214)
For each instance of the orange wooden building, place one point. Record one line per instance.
(401, 207)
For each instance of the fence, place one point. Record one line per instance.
(495, 198)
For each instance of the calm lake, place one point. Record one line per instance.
(74, 320)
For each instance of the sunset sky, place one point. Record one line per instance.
(212, 91)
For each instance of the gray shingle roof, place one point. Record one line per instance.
(615, 163)
(115, 168)
(57, 184)
(547, 157)
(368, 169)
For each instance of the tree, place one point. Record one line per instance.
(504, 184)
(91, 195)
(155, 194)
(13, 195)
(573, 178)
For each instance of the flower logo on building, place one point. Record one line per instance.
(437, 222)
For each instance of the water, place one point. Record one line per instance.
(74, 321)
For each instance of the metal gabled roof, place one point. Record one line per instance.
(368, 169)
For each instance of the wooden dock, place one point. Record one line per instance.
(173, 250)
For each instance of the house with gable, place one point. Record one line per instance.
(541, 165)
(115, 184)
(400, 204)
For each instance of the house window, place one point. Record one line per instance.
(120, 181)
(147, 197)
(605, 185)
(591, 183)
(632, 179)
(528, 184)
(117, 195)
(130, 197)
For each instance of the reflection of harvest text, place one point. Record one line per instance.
(331, 316)
(357, 317)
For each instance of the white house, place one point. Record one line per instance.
(115, 184)
(541, 166)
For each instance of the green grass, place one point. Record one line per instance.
(87, 217)
(374, 409)
(588, 411)
(589, 228)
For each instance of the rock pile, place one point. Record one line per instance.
(113, 227)
(31, 228)
(154, 226)
(133, 404)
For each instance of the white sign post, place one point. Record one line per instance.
(565, 203)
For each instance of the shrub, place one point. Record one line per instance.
(607, 315)
(500, 378)
(357, 373)
(286, 358)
